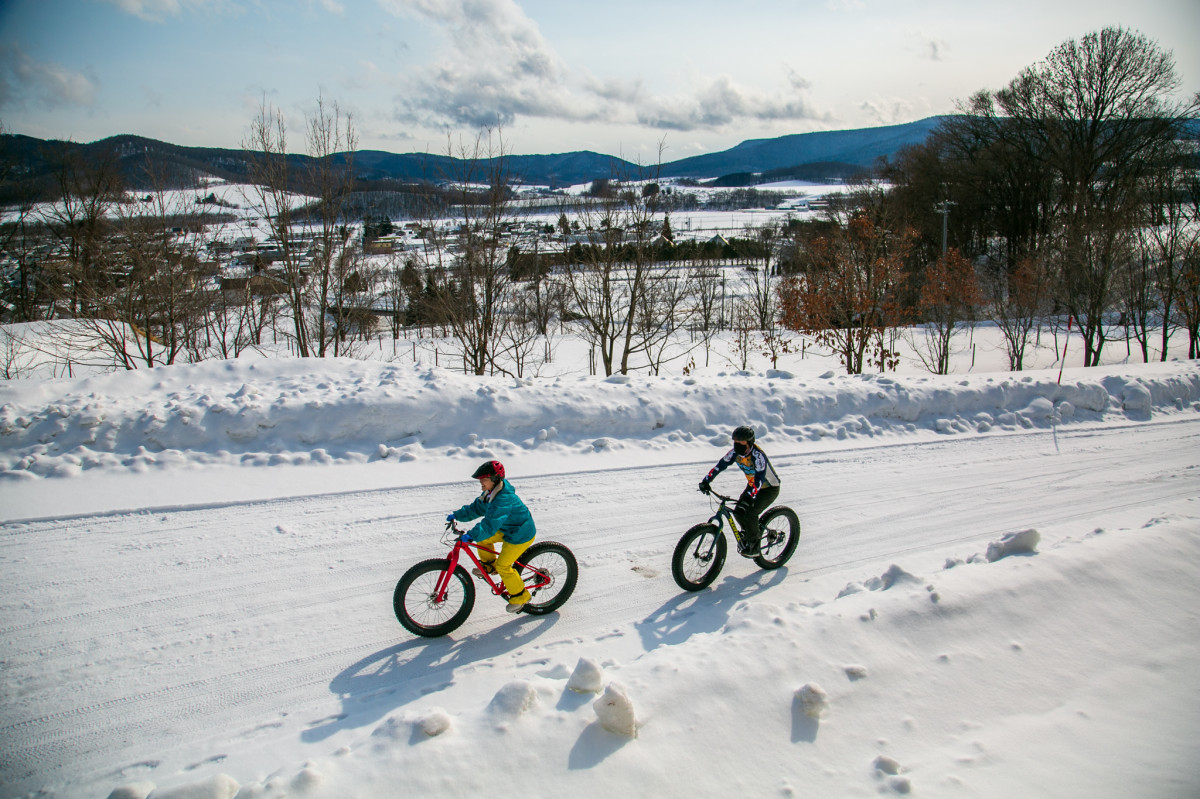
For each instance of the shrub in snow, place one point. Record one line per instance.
(812, 700)
(514, 699)
(218, 786)
(614, 711)
(856, 672)
(1022, 543)
(587, 677)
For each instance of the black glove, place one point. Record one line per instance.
(705, 488)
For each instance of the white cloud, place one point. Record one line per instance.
(722, 102)
(24, 80)
(159, 10)
(496, 66)
(894, 110)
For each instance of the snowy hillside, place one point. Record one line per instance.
(199, 560)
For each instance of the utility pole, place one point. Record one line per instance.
(943, 208)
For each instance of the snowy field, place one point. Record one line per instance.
(198, 565)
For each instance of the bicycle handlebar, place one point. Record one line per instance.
(720, 496)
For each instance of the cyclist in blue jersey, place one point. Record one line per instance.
(762, 484)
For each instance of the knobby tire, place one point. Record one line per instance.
(779, 529)
(557, 561)
(698, 557)
(414, 602)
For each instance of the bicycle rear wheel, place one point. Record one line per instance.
(698, 557)
(779, 529)
(557, 563)
(418, 609)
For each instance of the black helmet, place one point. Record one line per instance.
(492, 469)
(744, 433)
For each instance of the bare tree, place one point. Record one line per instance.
(475, 294)
(707, 295)
(847, 297)
(1015, 301)
(609, 276)
(1098, 110)
(312, 266)
(948, 300)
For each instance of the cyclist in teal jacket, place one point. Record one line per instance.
(506, 521)
(762, 484)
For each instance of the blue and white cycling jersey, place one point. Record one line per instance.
(754, 464)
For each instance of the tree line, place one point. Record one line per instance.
(1070, 192)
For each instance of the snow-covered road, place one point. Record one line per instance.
(166, 640)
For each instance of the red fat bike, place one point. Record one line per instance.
(435, 596)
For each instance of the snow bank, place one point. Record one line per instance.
(280, 412)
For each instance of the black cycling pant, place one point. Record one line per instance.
(748, 509)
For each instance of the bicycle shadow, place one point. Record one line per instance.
(393, 677)
(706, 611)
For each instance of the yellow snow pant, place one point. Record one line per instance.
(503, 564)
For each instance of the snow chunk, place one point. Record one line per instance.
(435, 722)
(856, 672)
(306, 779)
(1136, 398)
(614, 711)
(895, 575)
(1022, 543)
(514, 699)
(587, 677)
(812, 699)
(135, 790)
(887, 765)
(218, 786)
(1040, 408)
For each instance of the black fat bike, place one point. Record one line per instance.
(700, 554)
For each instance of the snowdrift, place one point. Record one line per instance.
(266, 412)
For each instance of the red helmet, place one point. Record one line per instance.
(492, 469)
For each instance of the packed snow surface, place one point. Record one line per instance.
(994, 593)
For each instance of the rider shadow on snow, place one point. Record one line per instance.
(705, 611)
(391, 678)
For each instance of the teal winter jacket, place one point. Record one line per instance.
(503, 512)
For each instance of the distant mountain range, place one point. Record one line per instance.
(814, 156)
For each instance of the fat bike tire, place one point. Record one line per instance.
(698, 557)
(559, 563)
(779, 529)
(416, 608)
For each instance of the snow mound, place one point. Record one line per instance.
(812, 699)
(614, 711)
(218, 786)
(514, 699)
(587, 678)
(1022, 543)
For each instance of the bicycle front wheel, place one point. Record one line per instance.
(416, 603)
(698, 557)
(553, 561)
(780, 533)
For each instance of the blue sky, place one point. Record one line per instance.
(618, 77)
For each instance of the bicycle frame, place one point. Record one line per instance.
(725, 514)
(493, 581)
